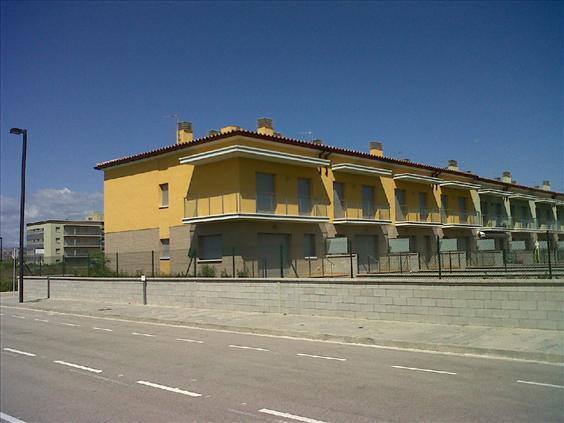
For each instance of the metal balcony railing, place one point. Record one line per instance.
(238, 203)
(547, 225)
(457, 217)
(417, 215)
(523, 223)
(361, 211)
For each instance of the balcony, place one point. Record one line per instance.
(417, 216)
(547, 225)
(523, 223)
(456, 218)
(496, 222)
(351, 212)
(266, 207)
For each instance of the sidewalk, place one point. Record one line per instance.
(529, 344)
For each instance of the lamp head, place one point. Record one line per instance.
(17, 131)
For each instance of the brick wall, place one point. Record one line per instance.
(533, 304)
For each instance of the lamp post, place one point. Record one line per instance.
(23, 133)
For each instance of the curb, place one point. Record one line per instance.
(363, 341)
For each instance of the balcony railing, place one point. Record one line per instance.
(492, 221)
(253, 204)
(361, 211)
(523, 223)
(547, 225)
(417, 215)
(457, 217)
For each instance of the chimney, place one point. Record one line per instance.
(184, 132)
(230, 128)
(546, 185)
(213, 132)
(506, 177)
(376, 148)
(452, 165)
(265, 126)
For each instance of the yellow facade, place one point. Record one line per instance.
(216, 188)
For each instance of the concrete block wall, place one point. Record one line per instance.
(533, 304)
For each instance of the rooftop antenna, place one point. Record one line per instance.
(176, 117)
(308, 134)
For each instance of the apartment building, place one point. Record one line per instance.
(240, 194)
(53, 241)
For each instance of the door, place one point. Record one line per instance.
(368, 202)
(266, 200)
(401, 205)
(366, 249)
(339, 199)
(304, 197)
(273, 252)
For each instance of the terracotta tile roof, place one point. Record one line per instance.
(312, 145)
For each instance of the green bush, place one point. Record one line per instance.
(206, 271)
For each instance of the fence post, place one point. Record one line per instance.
(195, 265)
(368, 261)
(144, 281)
(401, 263)
(48, 287)
(504, 256)
(450, 260)
(282, 260)
(439, 256)
(117, 264)
(309, 265)
(40, 266)
(63, 263)
(351, 258)
(548, 254)
(233, 260)
(153, 263)
(88, 265)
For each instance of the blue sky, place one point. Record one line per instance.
(478, 82)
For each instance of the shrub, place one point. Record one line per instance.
(206, 271)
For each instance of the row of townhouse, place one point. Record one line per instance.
(257, 195)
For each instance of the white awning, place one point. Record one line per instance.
(494, 192)
(420, 179)
(459, 185)
(253, 153)
(360, 169)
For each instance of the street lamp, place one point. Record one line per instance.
(23, 133)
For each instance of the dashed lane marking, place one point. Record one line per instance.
(321, 356)
(42, 320)
(442, 372)
(141, 334)
(289, 416)
(104, 329)
(168, 388)
(68, 324)
(9, 419)
(13, 350)
(78, 366)
(190, 340)
(548, 385)
(18, 317)
(243, 347)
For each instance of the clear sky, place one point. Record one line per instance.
(478, 82)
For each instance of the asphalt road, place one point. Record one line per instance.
(65, 368)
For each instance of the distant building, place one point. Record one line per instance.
(51, 240)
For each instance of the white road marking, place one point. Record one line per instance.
(289, 416)
(243, 347)
(41, 320)
(78, 366)
(293, 338)
(105, 329)
(9, 419)
(18, 317)
(141, 334)
(424, 370)
(190, 340)
(168, 388)
(549, 385)
(19, 352)
(321, 356)
(68, 324)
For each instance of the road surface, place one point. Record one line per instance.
(58, 367)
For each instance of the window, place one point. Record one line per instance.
(209, 247)
(58, 229)
(339, 198)
(266, 199)
(304, 196)
(164, 194)
(368, 202)
(58, 250)
(58, 240)
(165, 248)
(309, 245)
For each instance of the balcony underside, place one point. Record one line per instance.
(461, 225)
(349, 221)
(418, 223)
(266, 217)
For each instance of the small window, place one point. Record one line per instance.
(164, 195)
(57, 229)
(58, 240)
(58, 250)
(309, 245)
(209, 247)
(165, 248)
